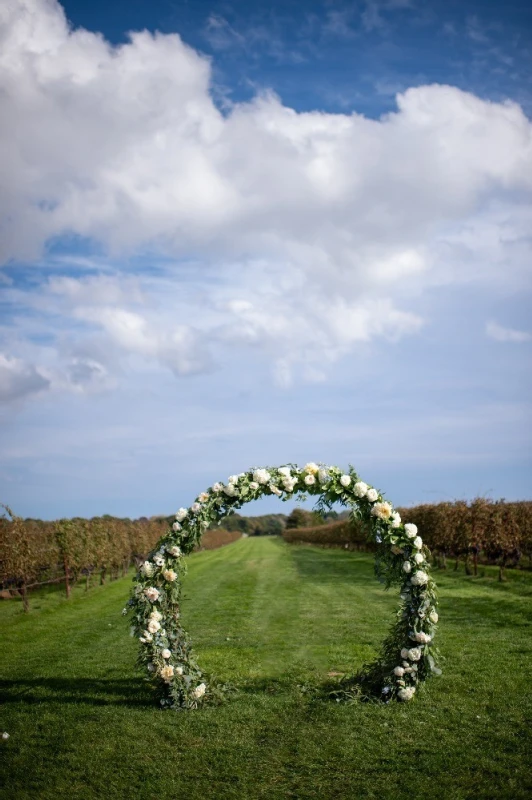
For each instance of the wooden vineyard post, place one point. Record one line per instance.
(67, 581)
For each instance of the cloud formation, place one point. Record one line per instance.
(310, 232)
(18, 379)
(502, 334)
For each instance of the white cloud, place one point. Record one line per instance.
(18, 379)
(372, 15)
(96, 289)
(311, 232)
(132, 151)
(221, 35)
(180, 347)
(502, 334)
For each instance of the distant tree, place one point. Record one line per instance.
(273, 527)
(299, 518)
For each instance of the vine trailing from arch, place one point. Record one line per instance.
(407, 655)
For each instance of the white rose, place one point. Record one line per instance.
(174, 550)
(217, 487)
(147, 569)
(261, 476)
(422, 638)
(419, 558)
(230, 490)
(396, 519)
(5, 735)
(285, 472)
(419, 578)
(406, 694)
(167, 673)
(199, 691)
(414, 654)
(146, 637)
(410, 530)
(360, 489)
(345, 480)
(203, 497)
(158, 560)
(275, 490)
(152, 594)
(253, 485)
(433, 616)
(323, 476)
(397, 551)
(382, 510)
(418, 542)
(289, 484)
(169, 575)
(154, 626)
(195, 508)
(310, 480)
(407, 567)
(166, 653)
(311, 468)
(179, 670)
(399, 671)
(156, 614)
(372, 495)
(181, 514)
(176, 527)
(404, 653)
(232, 479)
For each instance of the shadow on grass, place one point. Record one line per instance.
(92, 691)
(136, 693)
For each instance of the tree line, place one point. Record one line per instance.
(482, 531)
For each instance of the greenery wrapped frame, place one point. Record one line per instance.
(407, 657)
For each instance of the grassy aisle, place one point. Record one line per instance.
(271, 619)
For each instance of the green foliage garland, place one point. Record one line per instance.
(407, 656)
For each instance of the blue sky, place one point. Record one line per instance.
(260, 233)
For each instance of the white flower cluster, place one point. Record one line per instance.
(406, 693)
(261, 476)
(419, 578)
(382, 511)
(167, 673)
(147, 569)
(152, 594)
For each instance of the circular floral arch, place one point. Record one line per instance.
(407, 654)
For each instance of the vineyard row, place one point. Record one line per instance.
(34, 553)
(482, 531)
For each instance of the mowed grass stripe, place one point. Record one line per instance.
(268, 618)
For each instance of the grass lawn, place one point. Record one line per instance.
(271, 619)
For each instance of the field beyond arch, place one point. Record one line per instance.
(272, 620)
